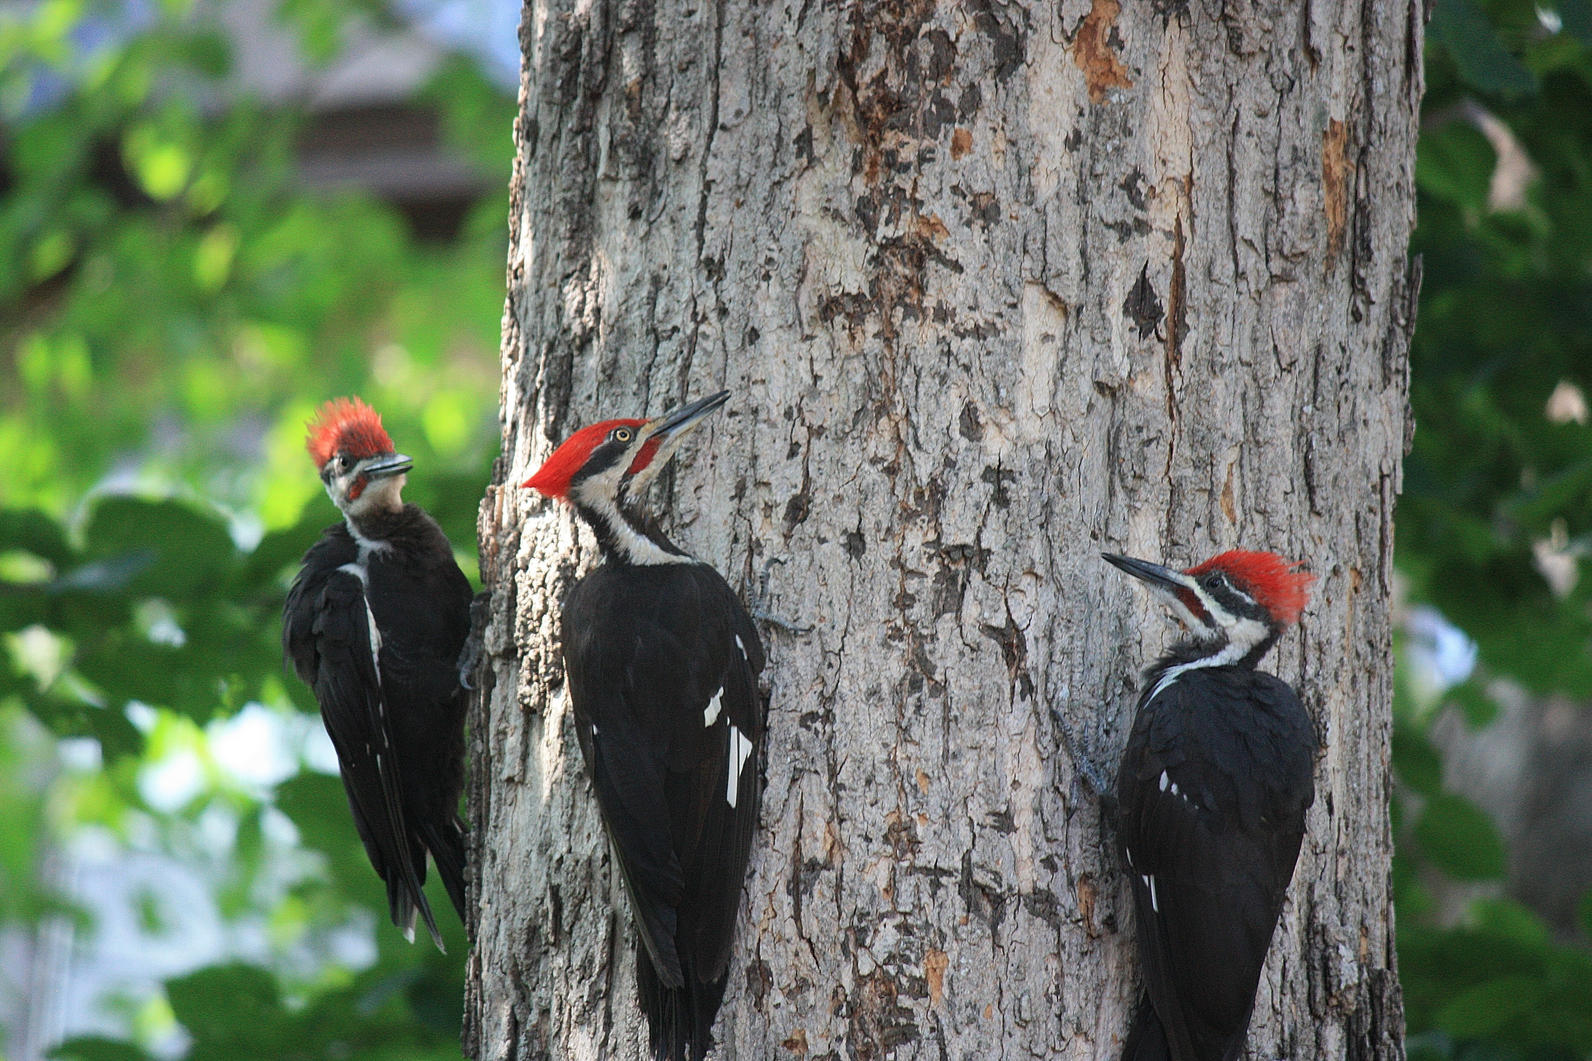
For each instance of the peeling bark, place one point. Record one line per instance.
(997, 286)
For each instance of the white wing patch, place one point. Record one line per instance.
(710, 714)
(358, 571)
(1155, 901)
(740, 751)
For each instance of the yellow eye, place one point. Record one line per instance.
(623, 434)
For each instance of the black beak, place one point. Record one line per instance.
(390, 464)
(687, 415)
(1155, 574)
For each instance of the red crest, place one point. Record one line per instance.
(346, 425)
(553, 478)
(1276, 584)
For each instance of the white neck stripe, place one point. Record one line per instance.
(1230, 654)
(632, 546)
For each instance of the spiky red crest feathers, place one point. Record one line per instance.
(1276, 584)
(554, 476)
(346, 425)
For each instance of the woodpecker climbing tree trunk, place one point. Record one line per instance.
(996, 286)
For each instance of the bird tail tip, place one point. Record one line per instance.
(679, 1020)
(1147, 1036)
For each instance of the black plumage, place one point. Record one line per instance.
(1219, 849)
(1210, 804)
(662, 661)
(374, 624)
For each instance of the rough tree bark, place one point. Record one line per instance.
(996, 286)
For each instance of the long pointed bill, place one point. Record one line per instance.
(663, 436)
(1180, 591)
(1155, 574)
(391, 464)
(687, 416)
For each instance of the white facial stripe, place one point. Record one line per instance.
(740, 752)
(1247, 633)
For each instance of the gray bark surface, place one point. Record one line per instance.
(997, 286)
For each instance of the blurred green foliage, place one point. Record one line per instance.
(175, 304)
(1499, 478)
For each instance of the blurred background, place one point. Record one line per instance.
(215, 215)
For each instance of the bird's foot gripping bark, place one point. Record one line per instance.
(1085, 768)
(470, 655)
(755, 606)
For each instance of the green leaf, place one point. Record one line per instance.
(30, 530)
(188, 551)
(95, 1048)
(1463, 29)
(1507, 918)
(1577, 18)
(220, 1003)
(1460, 839)
(1488, 1008)
(1455, 162)
(1475, 701)
(1415, 760)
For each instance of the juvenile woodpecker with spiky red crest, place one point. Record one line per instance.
(662, 661)
(1211, 798)
(374, 624)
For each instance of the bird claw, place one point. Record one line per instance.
(758, 612)
(1084, 767)
(474, 643)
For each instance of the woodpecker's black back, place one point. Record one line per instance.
(390, 698)
(1212, 794)
(663, 662)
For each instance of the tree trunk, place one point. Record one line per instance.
(997, 286)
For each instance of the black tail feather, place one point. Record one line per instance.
(448, 851)
(1147, 1038)
(406, 898)
(679, 1021)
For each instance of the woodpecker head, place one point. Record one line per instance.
(1235, 602)
(361, 471)
(604, 468)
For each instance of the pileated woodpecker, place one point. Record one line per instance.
(374, 624)
(662, 662)
(1211, 800)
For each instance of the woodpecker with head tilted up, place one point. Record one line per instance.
(662, 661)
(1211, 799)
(374, 625)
